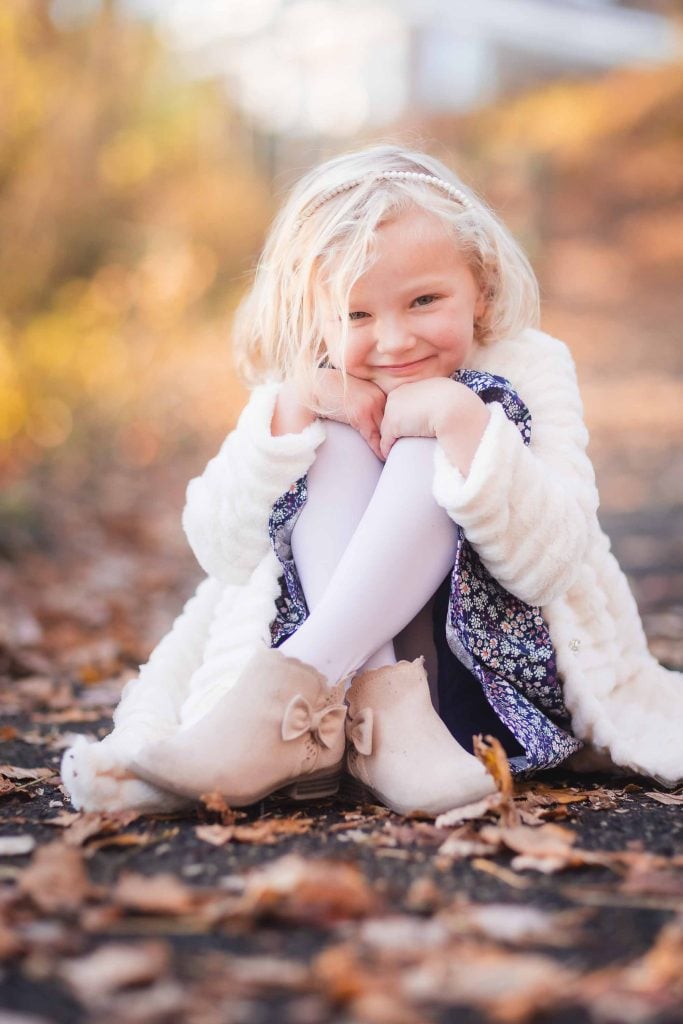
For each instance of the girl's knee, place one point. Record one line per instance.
(412, 449)
(346, 439)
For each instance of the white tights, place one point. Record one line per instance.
(371, 547)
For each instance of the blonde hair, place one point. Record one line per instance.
(321, 242)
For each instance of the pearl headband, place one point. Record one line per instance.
(430, 179)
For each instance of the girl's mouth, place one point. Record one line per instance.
(405, 367)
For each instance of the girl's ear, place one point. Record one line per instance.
(480, 305)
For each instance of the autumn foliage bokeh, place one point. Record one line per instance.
(127, 214)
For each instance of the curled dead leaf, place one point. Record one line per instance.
(154, 894)
(94, 823)
(214, 803)
(115, 966)
(315, 891)
(56, 879)
(492, 755)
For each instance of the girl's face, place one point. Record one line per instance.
(411, 315)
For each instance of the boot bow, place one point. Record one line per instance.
(325, 725)
(359, 731)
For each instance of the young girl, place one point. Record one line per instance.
(405, 504)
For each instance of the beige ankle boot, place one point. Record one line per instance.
(399, 749)
(280, 728)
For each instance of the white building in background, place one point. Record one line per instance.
(311, 68)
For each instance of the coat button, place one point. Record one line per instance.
(574, 644)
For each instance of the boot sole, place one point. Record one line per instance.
(315, 786)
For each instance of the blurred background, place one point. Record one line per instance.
(144, 148)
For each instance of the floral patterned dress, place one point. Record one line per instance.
(497, 671)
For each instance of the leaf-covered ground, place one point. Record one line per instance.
(562, 902)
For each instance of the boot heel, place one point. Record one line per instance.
(315, 786)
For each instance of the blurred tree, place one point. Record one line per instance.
(128, 208)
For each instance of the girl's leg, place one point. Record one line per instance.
(341, 483)
(396, 558)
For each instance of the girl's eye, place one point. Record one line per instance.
(357, 315)
(425, 300)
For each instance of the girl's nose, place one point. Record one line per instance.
(393, 338)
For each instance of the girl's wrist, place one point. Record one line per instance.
(460, 425)
(290, 415)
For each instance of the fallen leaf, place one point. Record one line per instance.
(423, 896)
(469, 812)
(672, 799)
(214, 803)
(313, 891)
(511, 987)
(56, 879)
(217, 835)
(154, 894)
(490, 867)
(492, 755)
(123, 839)
(13, 771)
(269, 830)
(115, 966)
(13, 846)
(515, 924)
(94, 823)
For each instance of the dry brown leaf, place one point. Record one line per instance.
(313, 891)
(13, 771)
(492, 755)
(386, 1007)
(14, 846)
(511, 987)
(548, 848)
(671, 799)
(217, 835)
(490, 867)
(656, 882)
(94, 823)
(70, 714)
(154, 894)
(115, 966)
(63, 819)
(466, 842)
(11, 944)
(547, 864)
(341, 973)
(123, 839)
(540, 794)
(423, 896)
(470, 812)
(214, 803)
(269, 830)
(56, 879)
(256, 974)
(516, 924)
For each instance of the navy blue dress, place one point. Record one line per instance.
(497, 672)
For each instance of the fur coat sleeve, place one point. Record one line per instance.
(527, 510)
(226, 512)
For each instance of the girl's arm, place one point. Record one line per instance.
(228, 506)
(528, 510)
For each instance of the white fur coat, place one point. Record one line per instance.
(529, 512)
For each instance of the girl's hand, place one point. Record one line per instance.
(362, 409)
(438, 407)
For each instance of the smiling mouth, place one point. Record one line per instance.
(403, 366)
